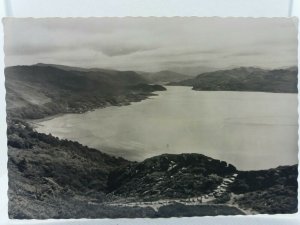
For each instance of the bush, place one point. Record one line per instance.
(22, 165)
(15, 141)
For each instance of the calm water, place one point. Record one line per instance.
(251, 130)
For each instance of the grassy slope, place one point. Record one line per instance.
(37, 91)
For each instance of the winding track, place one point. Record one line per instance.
(198, 200)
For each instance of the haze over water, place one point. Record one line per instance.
(251, 130)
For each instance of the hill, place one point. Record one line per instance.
(245, 79)
(268, 191)
(160, 77)
(43, 90)
(78, 69)
(170, 176)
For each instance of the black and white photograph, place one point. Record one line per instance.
(151, 117)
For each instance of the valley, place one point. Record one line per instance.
(59, 177)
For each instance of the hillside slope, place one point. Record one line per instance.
(245, 79)
(170, 176)
(52, 178)
(268, 191)
(42, 90)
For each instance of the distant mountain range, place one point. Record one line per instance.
(245, 79)
(160, 77)
(164, 76)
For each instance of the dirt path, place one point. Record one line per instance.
(198, 200)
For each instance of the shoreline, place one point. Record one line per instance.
(242, 91)
(34, 123)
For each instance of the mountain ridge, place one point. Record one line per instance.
(245, 79)
(34, 92)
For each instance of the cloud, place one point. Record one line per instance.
(152, 44)
(123, 50)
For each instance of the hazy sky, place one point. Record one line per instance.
(152, 44)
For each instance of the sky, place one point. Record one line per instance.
(188, 45)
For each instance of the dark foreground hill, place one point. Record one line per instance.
(169, 176)
(268, 191)
(52, 178)
(245, 79)
(43, 90)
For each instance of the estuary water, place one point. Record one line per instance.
(251, 130)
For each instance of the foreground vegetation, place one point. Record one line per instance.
(52, 178)
(268, 191)
(169, 176)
